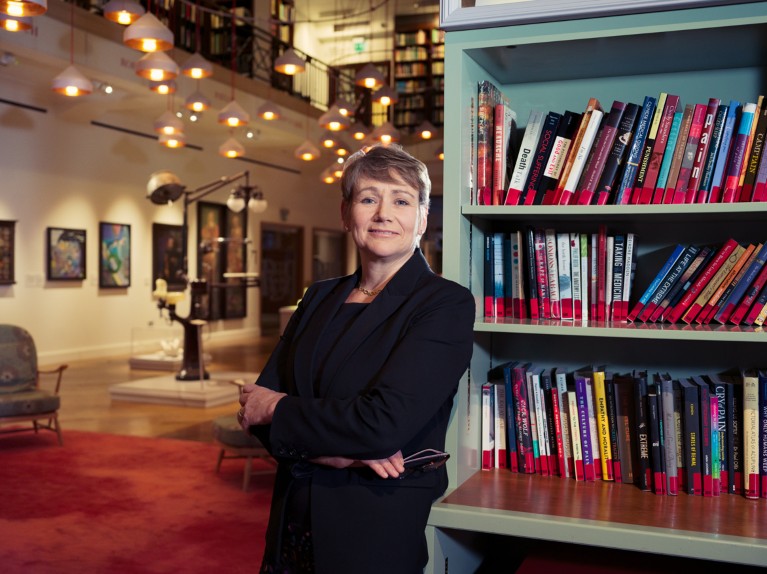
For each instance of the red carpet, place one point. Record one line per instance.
(127, 505)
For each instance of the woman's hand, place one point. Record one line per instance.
(258, 404)
(387, 467)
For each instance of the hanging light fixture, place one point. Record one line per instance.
(344, 108)
(269, 111)
(386, 96)
(359, 131)
(333, 120)
(369, 77)
(148, 34)
(156, 66)
(257, 203)
(343, 148)
(338, 168)
(386, 133)
(197, 102)
(163, 87)
(172, 141)
(19, 8)
(307, 151)
(289, 63)
(441, 153)
(15, 24)
(71, 82)
(169, 124)
(124, 12)
(233, 115)
(327, 175)
(231, 148)
(329, 140)
(426, 130)
(197, 67)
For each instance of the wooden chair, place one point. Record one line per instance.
(21, 397)
(236, 443)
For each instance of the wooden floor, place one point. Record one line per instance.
(86, 404)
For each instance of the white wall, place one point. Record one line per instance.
(60, 173)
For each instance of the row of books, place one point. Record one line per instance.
(700, 435)
(659, 152)
(541, 273)
(703, 284)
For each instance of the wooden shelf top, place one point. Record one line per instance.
(616, 515)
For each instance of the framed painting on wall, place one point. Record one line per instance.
(235, 296)
(210, 222)
(66, 254)
(114, 255)
(168, 255)
(7, 249)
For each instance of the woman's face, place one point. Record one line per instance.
(384, 218)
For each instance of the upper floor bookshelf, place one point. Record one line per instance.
(712, 50)
(419, 72)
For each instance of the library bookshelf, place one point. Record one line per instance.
(697, 53)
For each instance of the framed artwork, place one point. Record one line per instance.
(235, 295)
(168, 255)
(114, 255)
(7, 249)
(211, 219)
(66, 254)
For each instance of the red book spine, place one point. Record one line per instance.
(702, 151)
(695, 289)
(682, 193)
(499, 154)
(601, 272)
(748, 298)
(659, 149)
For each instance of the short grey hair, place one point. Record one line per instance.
(382, 163)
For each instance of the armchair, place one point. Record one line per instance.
(21, 397)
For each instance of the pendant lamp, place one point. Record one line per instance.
(307, 151)
(289, 63)
(148, 34)
(231, 148)
(172, 141)
(441, 153)
(169, 124)
(197, 102)
(163, 87)
(329, 140)
(359, 131)
(15, 24)
(386, 133)
(385, 96)
(124, 12)
(257, 203)
(426, 130)
(333, 120)
(71, 82)
(369, 77)
(327, 175)
(156, 66)
(344, 108)
(19, 8)
(269, 111)
(233, 115)
(197, 67)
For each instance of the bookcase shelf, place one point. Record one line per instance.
(697, 53)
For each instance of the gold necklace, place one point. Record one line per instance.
(369, 293)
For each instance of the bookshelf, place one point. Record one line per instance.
(419, 72)
(697, 53)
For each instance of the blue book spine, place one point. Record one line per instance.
(678, 250)
(717, 179)
(673, 135)
(635, 152)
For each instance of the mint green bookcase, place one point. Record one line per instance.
(696, 53)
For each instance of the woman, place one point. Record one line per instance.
(364, 374)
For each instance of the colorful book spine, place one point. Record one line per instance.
(499, 297)
(678, 153)
(525, 158)
(602, 424)
(532, 274)
(751, 294)
(704, 190)
(717, 179)
(644, 470)
(762, 421)
(575, 435)
(560, 379)
(518, 283)
(682, 193)
(488, 427)
(542, 274)
(629, 175)
(575, 275)
(751, 480)
(552, 273)
(742, 195)
(618, 275)
(487, 96)
(564, 270)
(644, 161)
(580, 158)
(628, 276)
(716, 281)
(489, 307)
(691, 438)
(655, 428)
(669, 435)
(668, 156)
(603, 145)
(510, 415)
(558, 157)
(707, 313)
(605, 189)
(731, 301)
(499, 419)
(730, 189)
(703, 145)
(755, 155)
(679, 286)
(668, 282)
(703, 279)
(501, 128)
(706, 458)
(653, 286)
(522, 418)
(540, 158)
(575, 146)
(670, 108)
(585, 276)
(581, 392)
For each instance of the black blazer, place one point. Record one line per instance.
(388, 385)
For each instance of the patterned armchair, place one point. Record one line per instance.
(22, 399)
